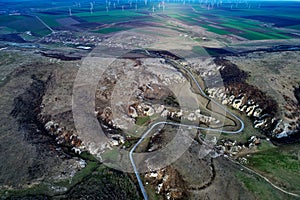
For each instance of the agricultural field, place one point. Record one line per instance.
(250, 23)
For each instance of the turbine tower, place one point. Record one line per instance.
(70, 11)
(92, 7)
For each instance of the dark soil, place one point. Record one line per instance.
(61, 56)
(12, 38)
(277, 21)
(297, 93)
(230, 73)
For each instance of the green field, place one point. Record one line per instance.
(237, 22)
(281, 165)
(140, 121)
(215, 30)
(260, 188)
(21, 24)
(111, 16)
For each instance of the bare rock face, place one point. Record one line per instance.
(154, 92)
(168, 182)
(263, 109)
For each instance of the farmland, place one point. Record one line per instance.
(248, 21)
(251, 24)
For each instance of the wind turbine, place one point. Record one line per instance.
(70, 11)
(92, 7)
(153, 9)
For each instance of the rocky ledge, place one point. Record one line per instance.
(262, 109)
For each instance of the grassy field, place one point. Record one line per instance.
(281, 165)
(111, 16)
(260, 188)
(141, 121)
(216, 30)
(21, 24)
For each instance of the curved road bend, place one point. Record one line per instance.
(183, 125)
(217, 103)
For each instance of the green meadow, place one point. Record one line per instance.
(281, 165)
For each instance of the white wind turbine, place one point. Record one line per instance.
(91, 8)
